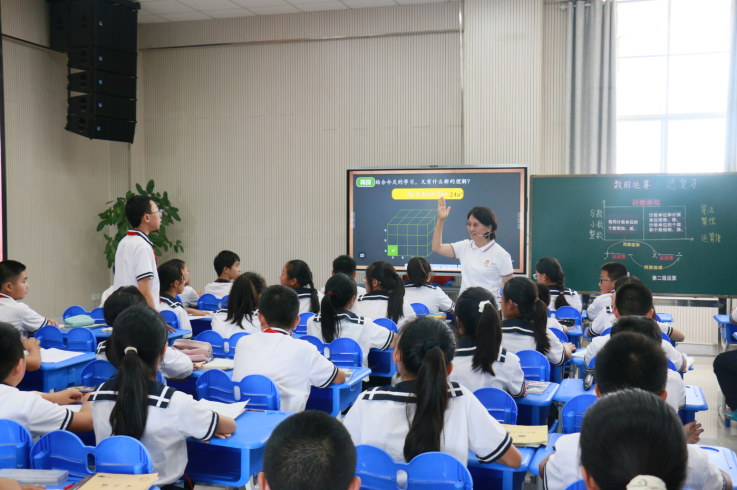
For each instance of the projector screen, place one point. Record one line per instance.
(392, 212)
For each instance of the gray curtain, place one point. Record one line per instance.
(730, 160)
(591, 118)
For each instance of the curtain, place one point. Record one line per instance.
(730, 156)
(591, 118)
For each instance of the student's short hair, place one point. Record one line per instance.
(614, 270)
(638, 324)
(631, 360)
(170, 272)
(344, 264)
(136, 208)
(633, 298)
(121, 299)
(280, 306)
(310, 451)
(10, 271)
(224, 259)
(626, 280)
(11, 349)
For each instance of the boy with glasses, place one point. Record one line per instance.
(610, 272)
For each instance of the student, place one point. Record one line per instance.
(228, 268)
(335, 319)
(421, 290)
(725, 369)
(631, 361)
(309, 451)
(134, 404)
(525, 324)
(175, 365)
(39, 414)
(480, 360)
(135, 259)
(610, 272)
(344, 264)
(172, 280)
(385, 296)
(190, 297)
(426, 412)
(295, 366)
(549, 272)
(296, 274)
(544, 294)
(241, 315)
(13, 289)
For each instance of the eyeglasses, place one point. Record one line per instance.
(534, 276)
(606, 280)
(473, 225)
(160, 212)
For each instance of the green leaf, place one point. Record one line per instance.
(150, 186)
(101, 225)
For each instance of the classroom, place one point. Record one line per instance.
(379, 244)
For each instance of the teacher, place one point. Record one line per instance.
(484, 262)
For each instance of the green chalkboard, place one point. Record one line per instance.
(678, 233)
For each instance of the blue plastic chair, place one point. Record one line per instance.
(171, 318)
(562, 336)
(568, 312)
(343, 352)
(101, 371)
(607, 331)
(15, 445)
(222, 348)
(302, 326)
(208, 302)
(62, 450)
(432, 471)
(535, 366)
(386, 323)
(77, 339)
(224, 302)
(98, 315)
(664, 317)
(592, 362)
(261, 392)
(499, 404)
(573, 411)
(420, 310)
(74, 311)
(579, 485)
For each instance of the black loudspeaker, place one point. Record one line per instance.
(101, 128)
(106, 23)
(99, 58)
(102, 82)
(59, 24)
(103, 105)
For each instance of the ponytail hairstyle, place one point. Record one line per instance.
(427, 347)
(419, 270)
(523, 293)
(137, 345)
(486, 217)
(543, 292)
(243, 297)
(389, 281)
(484, 325)
(551, 268)
(299, 270)
(338, 292)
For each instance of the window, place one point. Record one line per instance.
(672, 85)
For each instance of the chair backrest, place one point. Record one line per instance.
(607, 331)
(592, 362)
(420, 309)
(573, 410)
(98, 315)
(664, 317)
(316, 342)
(672, 366)
(74, 311)
(562, 336)
(302, 326)
(81, 340)
(223, 348)
(51, 337)
(208, 302)
(499, 404)
(579, 485)
(98, 372)
(261, 392)
(568, 312)
(535, 366)
(386, 323)
(15, 445)
(224, 301)
(62, 450)
(343, 352)
(664, 336)
(171, 318)
(431, 471)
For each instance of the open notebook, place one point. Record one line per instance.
(57, 355)
(232, 410)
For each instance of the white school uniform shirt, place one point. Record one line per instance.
(173, 416)
(431, 296)
(361, 329)
(135, 260)
(375, 304)
(484, 266)
(226, 329)
(20, 315)
(359, 290)
(305, 302)
(517, 335)
(31, 411)
(598, 305)
(220, 288)
(295, 366)
(670, 352)
(171, 304)
(380, 418)
(606, 319)
(564, 467)
(189, 297)
(106, 294)
(572, 297)
(175, 365)
(733, 316)
(508, 374)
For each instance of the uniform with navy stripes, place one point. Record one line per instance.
(135, 261)
(363, 330)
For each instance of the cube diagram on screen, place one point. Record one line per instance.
(409, 233)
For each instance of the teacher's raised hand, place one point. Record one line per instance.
(442, 210)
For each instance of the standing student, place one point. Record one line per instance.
(344, 264)
(385, 296)
(295, 366)
(610, 272)
(525, 323)
(135, 259)
(13, 289)
(172, 279)
(421, 290)
(483, 261)
(549, 272)
(480, 360)
(296, 274)
(241, 315)
(426, 412)
(134, 404)
(228, 268)
(335, 319)
(544, 294)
